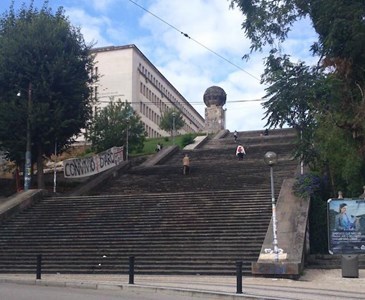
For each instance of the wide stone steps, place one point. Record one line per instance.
(133, 249)
(172, 224)
(164, 227)
(158, 234)
(153, 239)
(254, 154)
(165, 232)
(205, 262)
(249, 138)
(116, 213)
(164, 179)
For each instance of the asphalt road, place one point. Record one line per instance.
(9, 291)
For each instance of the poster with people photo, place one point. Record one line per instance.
(346, 226)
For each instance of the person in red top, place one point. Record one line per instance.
(240, 151)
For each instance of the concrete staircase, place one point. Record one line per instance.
(213, 168)
(180, 233)
(172, 224)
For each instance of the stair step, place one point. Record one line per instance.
(173, 224)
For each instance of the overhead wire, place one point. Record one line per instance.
(198, 102)
(197, 42)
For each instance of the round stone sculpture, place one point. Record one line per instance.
(215, 95)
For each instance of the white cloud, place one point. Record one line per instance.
(91, 27)
(189, 64)
(299, 41)
(100, 5)
(192, 68)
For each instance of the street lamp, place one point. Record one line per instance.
(28, 151)
(54, 168)
(271, 159)
(173, 127)
(127, 141)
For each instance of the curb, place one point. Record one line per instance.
(201, 294)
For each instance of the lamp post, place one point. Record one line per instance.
(28, 153)
(54, 168)
(173, 127)
(271, 159)
(301, 158)
(127, 141)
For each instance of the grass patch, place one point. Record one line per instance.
(149, 146)
(151, 143)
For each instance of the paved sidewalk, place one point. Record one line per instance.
(314, 284)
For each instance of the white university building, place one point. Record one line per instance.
(126, 74)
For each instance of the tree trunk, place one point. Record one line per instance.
(40, 175)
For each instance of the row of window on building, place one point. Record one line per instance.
(150, 95)
(156, 118)
(163, 107)
(151, 132)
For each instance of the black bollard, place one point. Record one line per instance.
(131, 270)
(239, 276)
(39, 266)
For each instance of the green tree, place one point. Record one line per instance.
(290, 94)
(341, 39)
(43, 58)
(111, 126)
(291, 99)
(170, 119)
(340, 158)
(333, 91)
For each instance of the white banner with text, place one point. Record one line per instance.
(87, 166)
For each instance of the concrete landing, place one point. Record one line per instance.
(314, 285)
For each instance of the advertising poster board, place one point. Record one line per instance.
(346, 226)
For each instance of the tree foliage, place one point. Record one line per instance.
(296, 83)
(170, 119)
(268, 22)
(43, 58)
(113, 125)
(340, 158)
(326, 101)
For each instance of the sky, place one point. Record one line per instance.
(211, 56)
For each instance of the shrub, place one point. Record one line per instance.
(187, 139)
(307, 184)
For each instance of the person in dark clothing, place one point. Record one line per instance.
(235, 135)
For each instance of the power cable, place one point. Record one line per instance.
(189, 37)
(197, 102)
